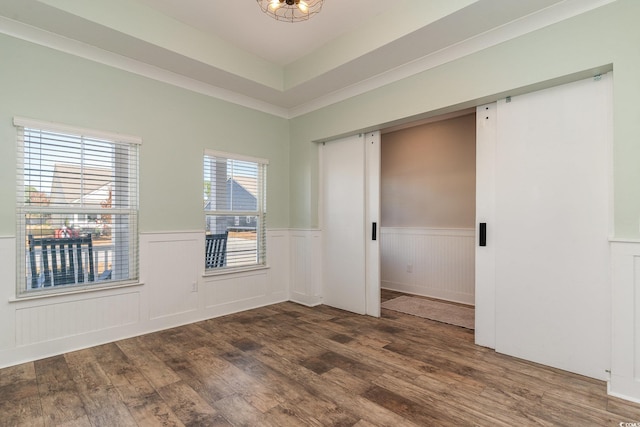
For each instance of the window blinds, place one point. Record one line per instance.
(71, 183)
(235, 206)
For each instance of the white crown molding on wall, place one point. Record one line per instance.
(535, 21)
(63, 44)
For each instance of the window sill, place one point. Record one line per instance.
(68, 291)
(232, 270)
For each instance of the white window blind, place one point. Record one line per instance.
(77, 201)
(235, 210)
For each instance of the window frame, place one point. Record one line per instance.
(131, 161)
(260, 213)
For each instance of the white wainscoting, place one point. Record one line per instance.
(230, 293)
(438, 263)
(7, 291)
(625, 300)
(37, 328)
(55, 319)
(306, 271)
(173, 291)
(170, 267)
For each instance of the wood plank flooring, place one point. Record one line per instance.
(289, 365)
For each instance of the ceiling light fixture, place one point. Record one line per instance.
(290, 10)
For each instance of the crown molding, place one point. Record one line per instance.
(527, 24)
(60, 43)
(512, 30)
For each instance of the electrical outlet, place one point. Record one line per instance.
(194, 287)
(409, 268)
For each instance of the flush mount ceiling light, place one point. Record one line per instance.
(290, 10)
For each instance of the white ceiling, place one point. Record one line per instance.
(243, 24)
(231, 50)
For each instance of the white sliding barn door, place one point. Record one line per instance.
(350, 204)
(550, 227)
(485, 292)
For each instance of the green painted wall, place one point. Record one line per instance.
(176, 126)
(597, 40)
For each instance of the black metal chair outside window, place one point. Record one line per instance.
(62, 261)
(216, 250)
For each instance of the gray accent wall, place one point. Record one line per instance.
(428, 175)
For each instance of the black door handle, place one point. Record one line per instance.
(482, 234)
(374, 231)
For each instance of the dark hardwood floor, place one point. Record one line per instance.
(287, 364)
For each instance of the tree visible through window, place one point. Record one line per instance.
(77, 207)
(234, 207)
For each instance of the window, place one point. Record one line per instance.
(77, 202)
(235, 210)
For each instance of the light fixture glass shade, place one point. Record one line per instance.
(290, 10)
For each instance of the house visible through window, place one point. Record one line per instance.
(234, 207)
(77, 207)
